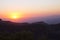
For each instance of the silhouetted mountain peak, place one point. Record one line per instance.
(41, 22)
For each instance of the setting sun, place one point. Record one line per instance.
(14, 15)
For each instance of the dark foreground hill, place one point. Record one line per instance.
(26, 31)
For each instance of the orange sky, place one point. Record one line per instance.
(23, 16)
(14, 10)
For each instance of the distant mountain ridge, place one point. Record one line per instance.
(38, 30)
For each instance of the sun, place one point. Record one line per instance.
(14, 15)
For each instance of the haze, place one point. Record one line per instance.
(29, 10)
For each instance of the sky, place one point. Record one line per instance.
(29, 9)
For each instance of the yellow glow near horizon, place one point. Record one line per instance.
(14, 15)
